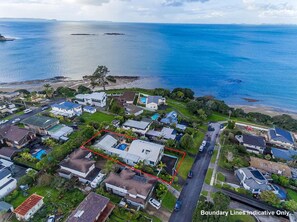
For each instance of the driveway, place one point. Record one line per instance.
(191, 192)
(162, 213)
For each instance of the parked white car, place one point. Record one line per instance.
(16, 120)
(27, 110)
(156, 204)
(3, 121)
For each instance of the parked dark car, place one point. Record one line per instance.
(190, 174)
(178, 205)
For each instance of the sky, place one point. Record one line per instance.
(164, 11)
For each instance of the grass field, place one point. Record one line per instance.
(198, 137)
(204, 193)
(168, 201)
(186, 166)
(181, 108)
(98, 117)
(292, 194)
(208, 176)
(214, 156)
(220, 177)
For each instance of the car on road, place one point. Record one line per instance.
(156, 204)
(178, 205)
(3, 121)
(16, 120)
(44, 108)
(203, 143)
(190, 174)
(51, 218)
(27, 111)
(210, 152)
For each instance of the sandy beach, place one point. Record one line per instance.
(271, 111)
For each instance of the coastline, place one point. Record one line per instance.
(127, 82)
(268, 110)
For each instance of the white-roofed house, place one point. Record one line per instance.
(67, 109)
(138, 150)
(94, 99)
(137, 126)
(153, 102)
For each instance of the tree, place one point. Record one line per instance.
(186, 141)
(32, 173)
(161, 165)
(201, 114)
(290, 205)
(83, 89)
(221, 203)
(49, 91)
(231, 124)
(229, 156)
(98, 78)
(161, 190)
(270, 197)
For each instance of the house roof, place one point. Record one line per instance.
(89, 209)
(281, 135)
(252, 177)
(4, 173)
(171, 118)
(78, 161)
(271, 167)
(91, 108)
(7, 152)
(40, 121)
(66, 105)
(132, 109)
(28, 204)
(253, 140)
(146, 150)
(5, 206)
(127, 96)
(13, 133)
(106, 142)
(59, 130)
(136, 124)
(95, 95)
(166, 133)
(129, 181)
(283, 154)
(153, 99)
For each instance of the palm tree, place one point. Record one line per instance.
(48, 90)
(161, 165)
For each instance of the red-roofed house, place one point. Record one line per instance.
(29, 207)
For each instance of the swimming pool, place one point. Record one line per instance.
(122, 146)
(155, 116)
(39, 154)
(143, 100)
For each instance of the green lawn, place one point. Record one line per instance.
(186, 166)
(214, 156)
(198, 137)
(292, 194)
(215, 117)
(204, 193)
(241, 218)
(180, 107)
(14, 115)
(208, 176)
(220, 177)
(98, 117)
(168, 201)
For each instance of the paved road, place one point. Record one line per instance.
(191, 192)
(34, 111)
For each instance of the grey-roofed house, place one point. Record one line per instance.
(135, 189)
(81, 165)
(8, 153)
(7, 182)
(281, 137)
(153, 102)
(40, 124)
(14, 136)
(131, 109)
(94, 208)
(166, 133)
(137, 126)
(252, 143)
(170, 118)
(5, 207)
(253, 180)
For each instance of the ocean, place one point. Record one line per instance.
(230, 62)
